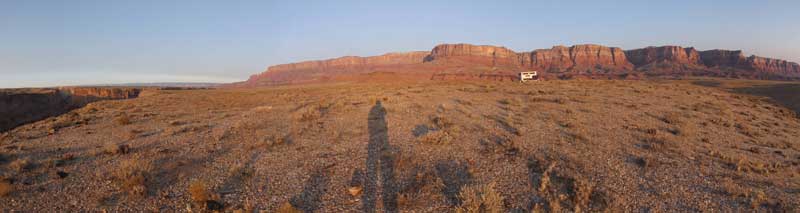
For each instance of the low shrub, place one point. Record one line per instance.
(132, 175)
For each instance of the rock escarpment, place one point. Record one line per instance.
(21, 106)
(725, 63)
(486, 54)
(297, 72)
(556, 59)
(737, 60)
(775, 66)
(664, 54)
(723, 58)
(577, 60)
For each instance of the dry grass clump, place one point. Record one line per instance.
(61, 161)
(312, 112)
(678, 124)
(133, 134)
(583, 195)
(441, 122)
(563, 192)
(498, 145)
(132, 175)
(755, 197)
(442, 132)
(122, 120)
(198, 191)
(416, 181)
(544, 181)
(556, 100)
(21, 165)
(646, 162)
(747, 130)
(478, 89)
(672, 118)
(116, 149)
(6, 188)
(309, 114)
(657, 143)
(61, 122)
(271, 141)
(743, 164)
(177, 123)
(575, 135)
(733, 189)
(246, 208)
(479, 199)
(287, 208)
(436, 137)
(510, 101)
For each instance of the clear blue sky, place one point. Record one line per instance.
(68, 42)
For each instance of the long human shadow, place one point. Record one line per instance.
(380, 161)
(310, 199)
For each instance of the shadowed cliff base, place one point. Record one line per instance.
(785, 94)
(21, 106)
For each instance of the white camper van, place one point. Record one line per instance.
(528, 76)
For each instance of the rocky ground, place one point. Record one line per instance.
(427, 147)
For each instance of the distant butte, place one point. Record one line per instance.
(558, 62)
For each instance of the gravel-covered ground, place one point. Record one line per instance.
(427, 147)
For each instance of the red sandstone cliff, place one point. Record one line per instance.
(664, 54)
(775, 66)
(672, 59)
(301, 71)
(587, 59)
(485, 54)
(557, 59)
(577, 58)
(737, 60)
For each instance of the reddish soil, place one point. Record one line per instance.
(398, 145)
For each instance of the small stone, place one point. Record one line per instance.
(355, 191)
(213, 205)
(62, 174)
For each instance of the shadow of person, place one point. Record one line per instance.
(380, 161)
(310, 199)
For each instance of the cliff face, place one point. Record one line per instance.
(668, 54)
(288, 72)
(776, 66)
(723, 58)
(490, 55)
(673, 59)
(557, 59)
(587, 59)
(22, 106)
(577, 58)
(100, 93)
(355, 61)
